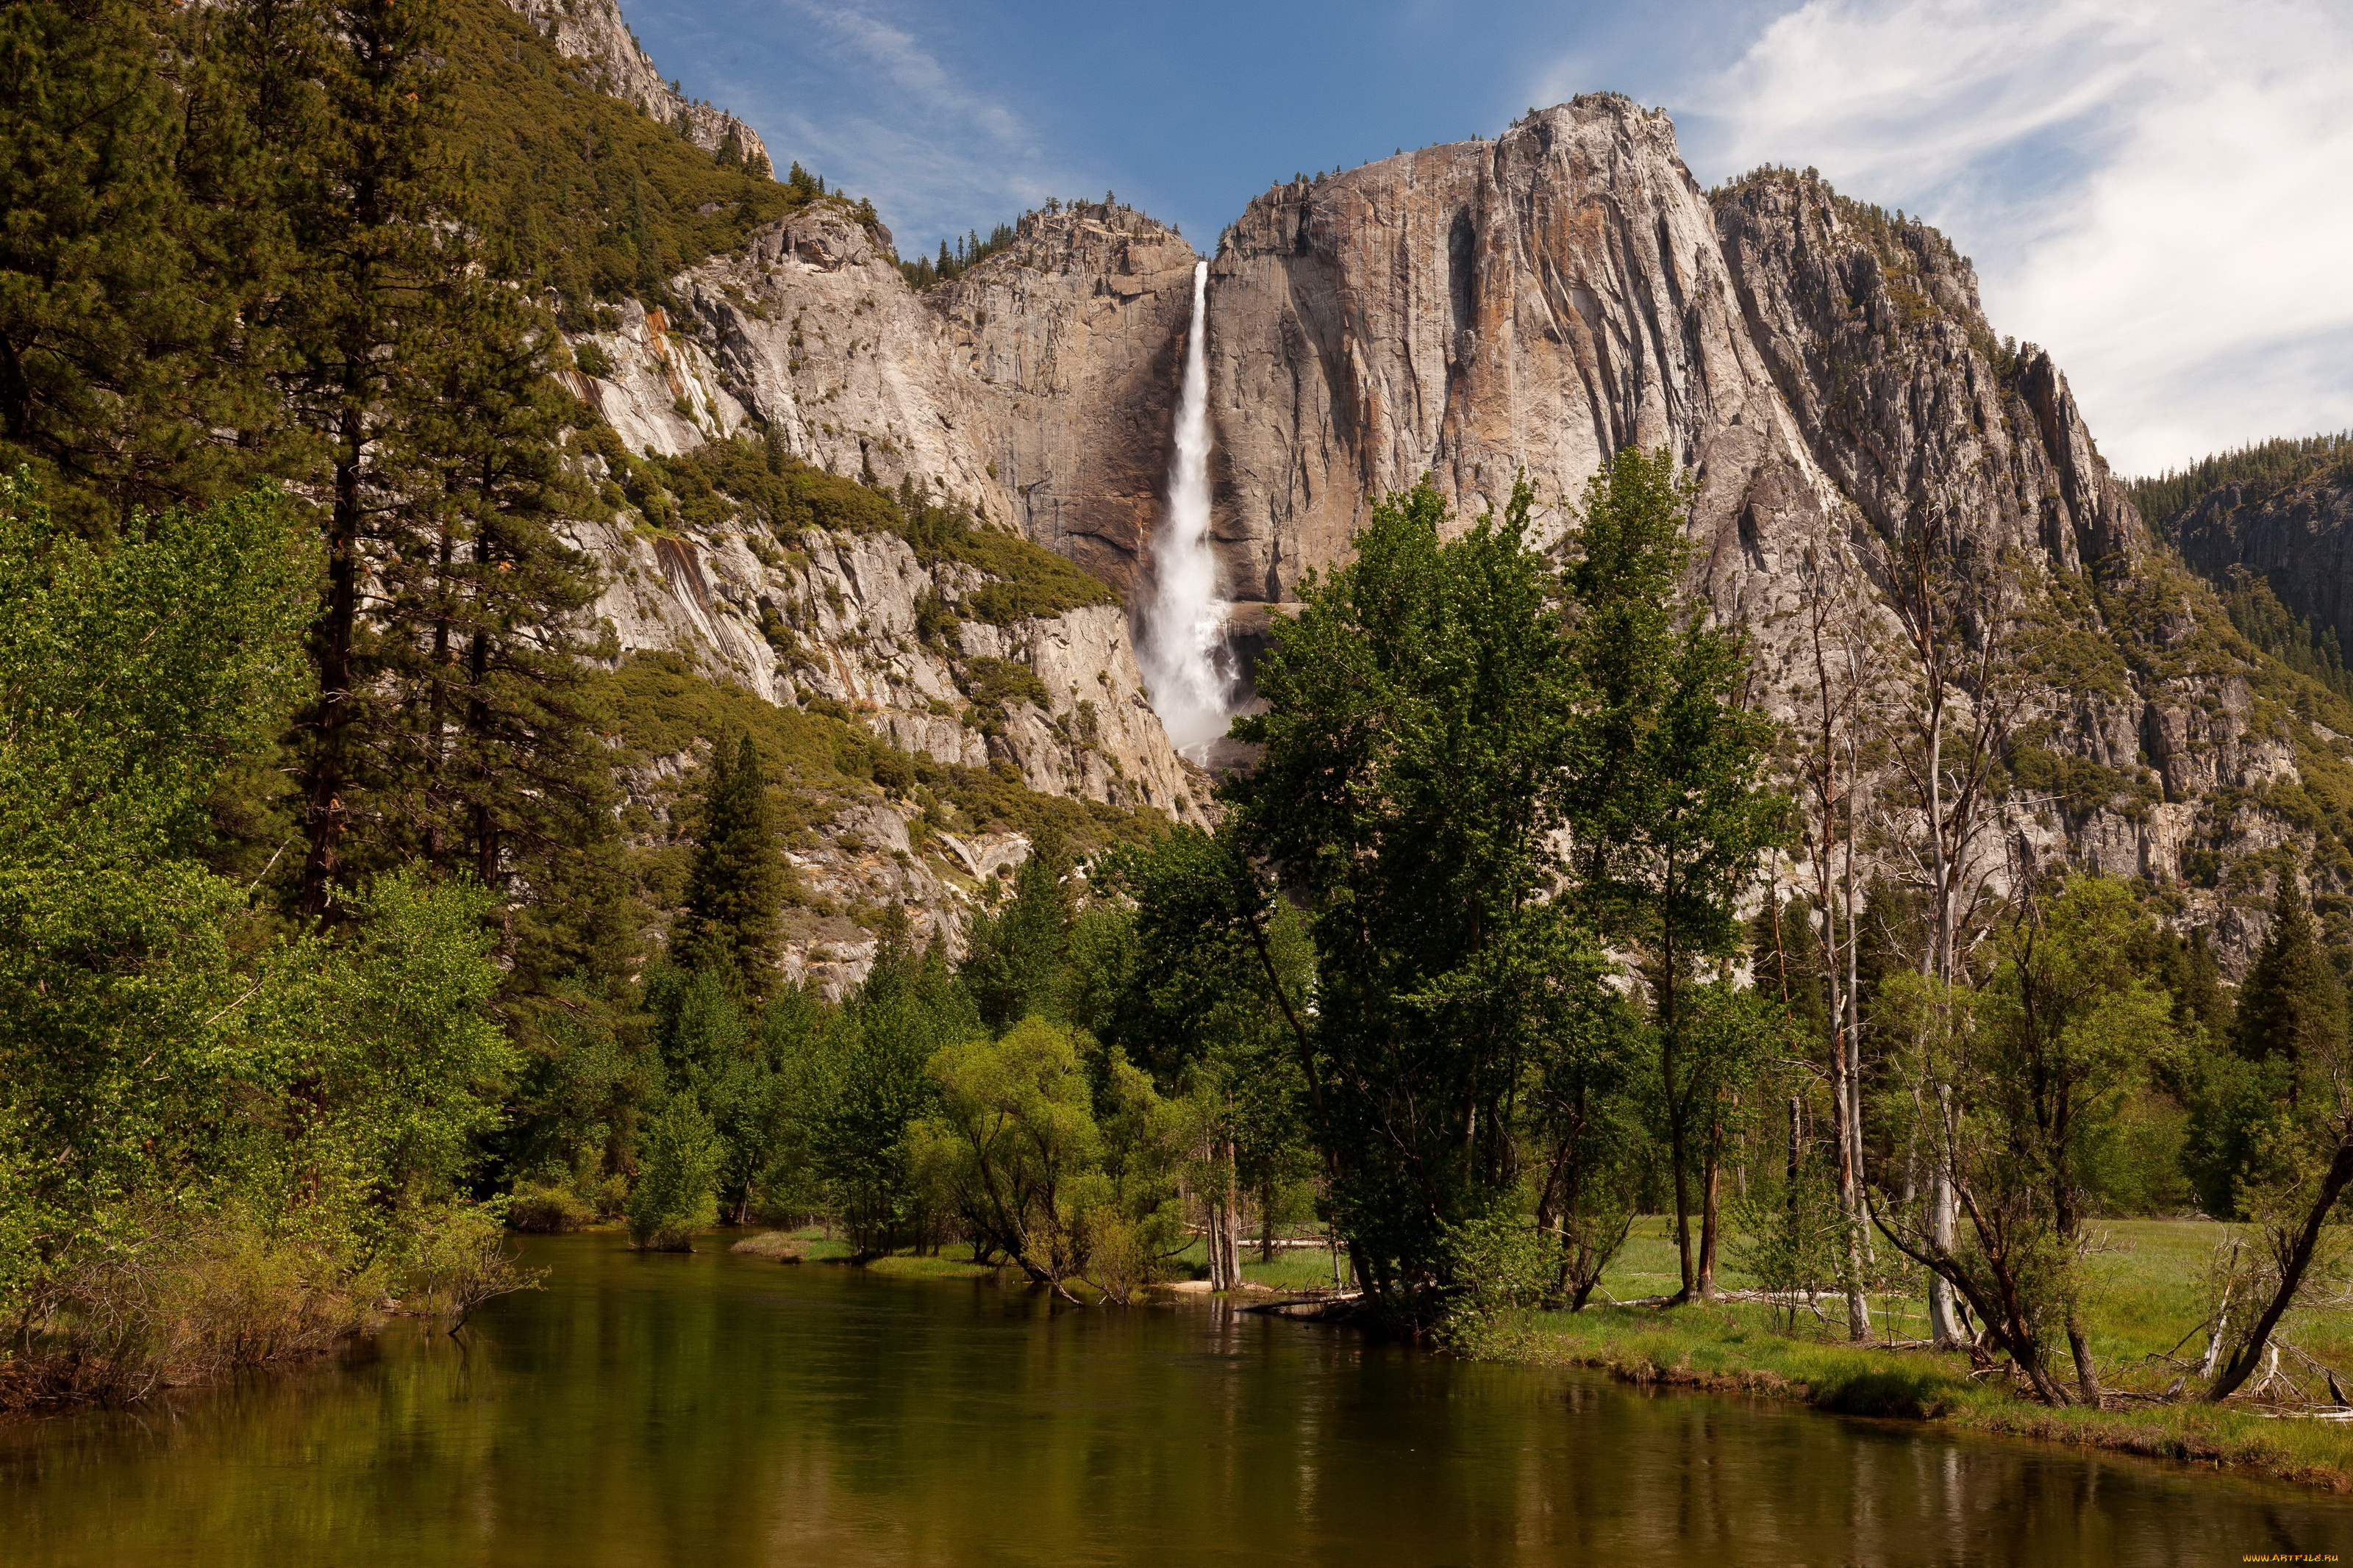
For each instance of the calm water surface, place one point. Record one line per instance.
(715, 1410)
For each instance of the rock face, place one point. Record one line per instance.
(2299, 538)
(1033, 381)
(1475, 311)
(836, 620)
(1535, 303)
(1538, 302)
(1076, 338)
(593, 30)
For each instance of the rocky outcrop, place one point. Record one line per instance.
(1534, 303)
(1073, 340)
(593, 31)
(1475, 312)
(816, 333)
(2299, 538)
(1823, 369)
(836, 620)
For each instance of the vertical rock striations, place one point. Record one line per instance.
(2298, 539)
(1072, 338)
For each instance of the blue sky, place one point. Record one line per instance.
(2155, 191)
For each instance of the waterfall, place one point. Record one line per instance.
(1186, 665)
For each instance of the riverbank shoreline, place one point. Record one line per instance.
(1720, 1348)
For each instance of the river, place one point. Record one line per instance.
(720, 1410)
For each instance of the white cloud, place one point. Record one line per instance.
(897, 126)
(2154, 192)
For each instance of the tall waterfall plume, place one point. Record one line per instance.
(1186, 663)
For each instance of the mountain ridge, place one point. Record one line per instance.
(1479, 310)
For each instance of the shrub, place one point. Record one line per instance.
(676, 1192)
(549, 1211)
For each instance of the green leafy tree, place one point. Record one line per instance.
(1669, 808)
(1064, 1166)
(1418, 734)
(676, 1192)
(1198, 983)
(2285, 1104)
(875, 1085)
(170, 1074)
(2041, 1058)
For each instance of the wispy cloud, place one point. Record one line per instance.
(898, 124)
(2155, 192)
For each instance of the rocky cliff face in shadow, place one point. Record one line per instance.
(1076, 338)
(2300, 540)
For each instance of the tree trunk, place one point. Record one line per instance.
(331, 647)
(1230, 1231)
(2300, 1249)
(1711, 1181)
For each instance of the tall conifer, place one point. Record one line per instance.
(736, 884)
(2292, 1005)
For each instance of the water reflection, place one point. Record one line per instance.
(720, 1410)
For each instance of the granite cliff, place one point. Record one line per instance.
(593, 32)
(2298, 539)
(1474, 313)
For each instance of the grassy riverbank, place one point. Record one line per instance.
(2145, 1300)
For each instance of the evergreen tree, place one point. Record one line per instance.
(350, 99)
(2292, 1006)
(126, 372)
(736, 884)
(1015, 958)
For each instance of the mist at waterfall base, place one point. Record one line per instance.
(1187, 668)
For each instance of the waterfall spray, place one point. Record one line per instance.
(1185, 659)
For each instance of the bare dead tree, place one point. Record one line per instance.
(1959, 605)
(1839, 644)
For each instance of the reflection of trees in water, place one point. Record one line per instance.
(720, 1409)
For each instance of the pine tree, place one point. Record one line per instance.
(125, 375)
(349, 97)
(736, 884)
(1016, 959)
(2293, 1005)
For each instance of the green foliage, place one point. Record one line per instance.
(1670, 808)
(1016, 954)
(734, 479)
(874, 1085)
(736, 880)
(969, 250)
(2292, 1003)
(577, 190)
(2256, 611)
(2042, 1061)
(2080, 786)
(1058, 1156)
(168, 1064)
(1417, 730)
(2263, 470)
(675, 1193)
(1198, 984)
(125, 263)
